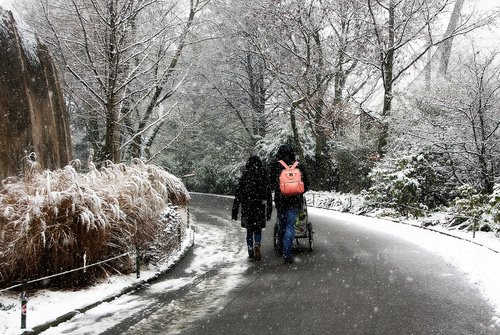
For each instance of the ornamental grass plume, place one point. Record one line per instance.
(55, 221)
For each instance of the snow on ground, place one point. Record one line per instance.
(211, 253)
(47, 305)
(479, 263)
(216, 252)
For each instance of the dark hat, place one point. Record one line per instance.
(286, 153)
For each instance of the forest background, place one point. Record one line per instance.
(397, 100)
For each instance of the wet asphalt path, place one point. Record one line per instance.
(354, 282)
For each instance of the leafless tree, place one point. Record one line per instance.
(403, 31)
(459, 117)
(121, 64)
(307, 52)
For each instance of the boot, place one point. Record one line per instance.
(251, 255)
(256, 251)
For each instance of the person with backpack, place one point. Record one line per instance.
(254, 197)
(289, 181)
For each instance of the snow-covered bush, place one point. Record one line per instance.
(409, 184)
(469, 206)
(354, 165)
(395, 188)
(342, 202)
(52, 221)
(166, 239)
(494, 204)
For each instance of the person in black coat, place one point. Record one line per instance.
(254, 197)
(287, 207)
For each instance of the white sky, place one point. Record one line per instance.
(6, 4)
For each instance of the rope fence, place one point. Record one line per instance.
(25, 283)
(65, 272)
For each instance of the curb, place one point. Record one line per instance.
(448, 234)
(418, 226)
(134, 287)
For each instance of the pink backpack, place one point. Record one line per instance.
(291, 180)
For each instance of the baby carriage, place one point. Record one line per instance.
(303, 229)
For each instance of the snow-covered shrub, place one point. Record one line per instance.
(494, 204)
(166, 239)
(354, 165)
(52, 221)
(407, 184)
(342, 202)
(469, 206)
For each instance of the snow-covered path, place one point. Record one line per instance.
(364, 276)
(192, 290)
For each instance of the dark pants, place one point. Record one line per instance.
(254, 237)
(287, 220)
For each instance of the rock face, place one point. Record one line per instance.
(33, 117)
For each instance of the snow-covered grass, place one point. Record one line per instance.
(55, 221)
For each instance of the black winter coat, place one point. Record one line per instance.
(254, 197)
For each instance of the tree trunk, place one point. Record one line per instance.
(445, 47)
(295, 133)
(257, 94)
(481, 139)
(111, 149)
(321, 169)
(112, 136)
(388, 65)
(387, 77)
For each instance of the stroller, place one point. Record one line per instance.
(303, 229)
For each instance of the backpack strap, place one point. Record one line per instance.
(284, 164)
(289, 167)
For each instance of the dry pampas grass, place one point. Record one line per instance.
(54, 221)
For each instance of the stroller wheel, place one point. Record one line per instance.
(275, 237)
(310, 237)
(278, 246)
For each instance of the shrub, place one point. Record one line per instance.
(409, 184)
(470, 205)
(53, 221)
(395, 187)
(494, 203)
(353, 168)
